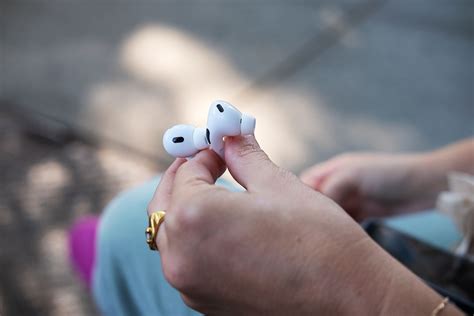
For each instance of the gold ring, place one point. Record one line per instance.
(154, 221)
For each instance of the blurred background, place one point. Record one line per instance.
(87, 89)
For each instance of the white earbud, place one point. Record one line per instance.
(184, 140)
(225, 120)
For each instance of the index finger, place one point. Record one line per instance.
(162, 195)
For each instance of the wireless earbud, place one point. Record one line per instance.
(225, 120)
(184, 140)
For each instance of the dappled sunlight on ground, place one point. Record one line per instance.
(46, 186)
(44, 180)
(173, 76)
(85, 99)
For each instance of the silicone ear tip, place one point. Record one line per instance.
(247, 126)
(199, 138)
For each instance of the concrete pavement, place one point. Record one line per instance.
(321, 77)
(398, 76)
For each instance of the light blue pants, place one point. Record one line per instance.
(128, 278)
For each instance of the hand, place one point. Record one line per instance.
(375, 185)
(279, 248)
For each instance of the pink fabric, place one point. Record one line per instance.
(82, 237)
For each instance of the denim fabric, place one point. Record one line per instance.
(431, 227)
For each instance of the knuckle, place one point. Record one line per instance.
(284, 175)
(191, 303)
(178, 272)
(253, 150)
(189, 214)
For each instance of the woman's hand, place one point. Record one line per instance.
(280, 248)
(374, 184)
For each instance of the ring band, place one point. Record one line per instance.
(154, 221)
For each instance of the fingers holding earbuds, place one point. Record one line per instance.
(226, 120)
(223, 120)
(185, 140)
(203, 169)
(248, 163)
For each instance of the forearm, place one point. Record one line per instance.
(406, 294)
(456, 157)
(388, 288)
(432, 168)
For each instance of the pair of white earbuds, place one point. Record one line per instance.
(223, 120)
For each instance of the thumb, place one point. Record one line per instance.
(248, 163)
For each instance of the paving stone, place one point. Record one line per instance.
(45, 188)
(126, 71)
(321, 78)
(401, 81)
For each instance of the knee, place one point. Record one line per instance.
(124, 220)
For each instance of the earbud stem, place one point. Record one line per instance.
(199, 138)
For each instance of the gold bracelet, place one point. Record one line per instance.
(440, 307)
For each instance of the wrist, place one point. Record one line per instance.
(368, 282)
(380, 285)
(429, 175)
(434, 167)
(409, 295)
(362, 277)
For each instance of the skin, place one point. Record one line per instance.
(280, 248)
(379, 185)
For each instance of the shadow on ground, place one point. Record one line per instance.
(46, 185)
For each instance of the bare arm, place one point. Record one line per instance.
(434, 166)
(380, 184)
